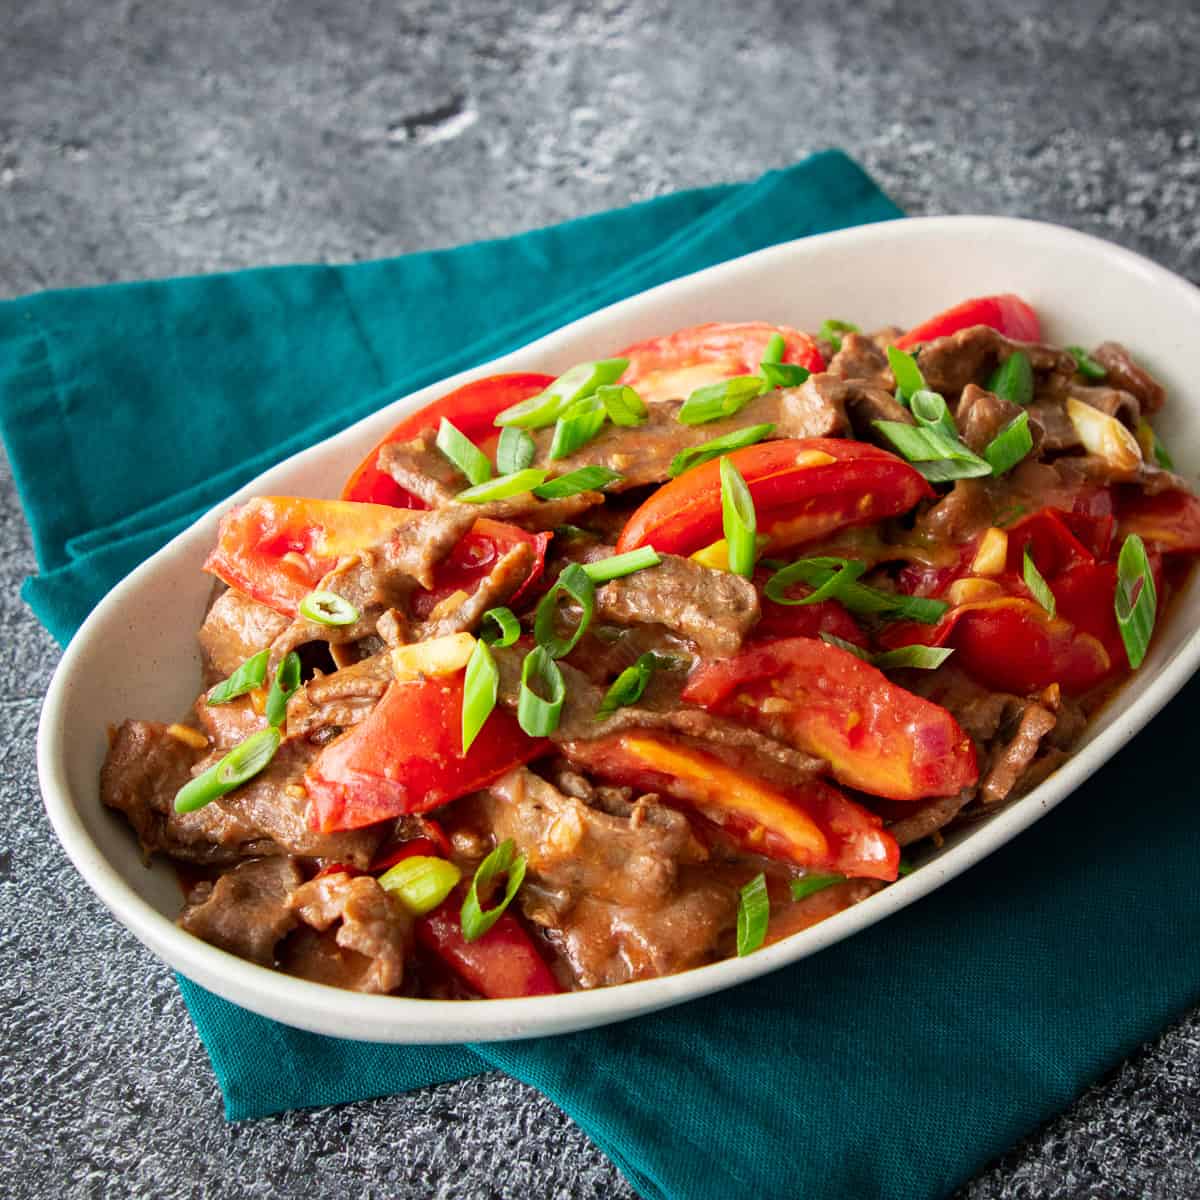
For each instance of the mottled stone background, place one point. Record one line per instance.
(141, 139)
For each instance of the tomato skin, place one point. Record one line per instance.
(472, 408)
(406, 756)
(1006, 313)
(875, 735)
(502, 964)
(1170, 520)
(799, 495)
(1050, 541)
(704, 354)
(810, 824)
(803, 620)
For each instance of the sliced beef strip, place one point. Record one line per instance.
(866, 405)
(235, 629)
(229, 723)
(958, 515)
(502, 582)
(981, 415)
(374, 933)
(613, 893)
(246, 910)
(341, 699)
(969, 356)
(927, 817)
(1058, 431)
(714, 609)
(861, 357)
(1010, 760)
(1124, 373)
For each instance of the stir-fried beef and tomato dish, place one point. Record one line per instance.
(600, 677)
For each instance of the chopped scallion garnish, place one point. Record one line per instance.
(929, 409)
(738, 519)
(577, 426)
(855, 596)
(283, 688)
(515, 450)
(504, 860)
(246, 678)
(923, 658)
(1036, 583)
(504, 487)
(480, 685)
(776, 345)
(586, 479)
(421, 882)
(831, 331)
(243, 762)
(628, 687)
(574, 582)
(623, 405)
(1013, 379)
(739, 438)
(618, 565)
(539, 715)
(811, 883)
(463, 453)
(1136, 599)
(546, 407)
(507, 624)
(841, 573)
(1086, 365)
(1010, 445)
(938, 457)
(754, 912)
(328, 608)
(718, 400)
(906, 373)
(784, 375)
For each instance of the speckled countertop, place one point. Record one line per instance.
(145, 139)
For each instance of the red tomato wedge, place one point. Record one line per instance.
(472, 408)
(406, 756)
(277, 548)
(502, 964)
(665, 368)
(1170, 520)
(875, 735)
(803, 489)
(810, 825)
(803, 620)
(1008, 314)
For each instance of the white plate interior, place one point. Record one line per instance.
(136, 656)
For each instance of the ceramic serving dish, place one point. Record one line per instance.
(136, 655)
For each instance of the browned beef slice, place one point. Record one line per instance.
(502, 582)
(860, 357)
(611, 891)
(1114, 401)
(970, 356)
(928, 816)
(1011, 759)
(981, 415)
(1124, 373)
(714, 609)
(235, 629)
(343, 698)
(229, 723)
(374, 934)
(867, 404)
(958, 515)
(245, 911)
(1058, 431)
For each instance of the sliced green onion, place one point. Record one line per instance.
(628, 687)
(504, 860)
(784, 375)
(586, 479)
(246, 678)
(754, 911)
(924, 658)
(421, 882)
(1013, 379)
(929, 409)
(1161, 456)
(738, 519)
(514, 451)
(938, 457)
(504, 487)
(809, 884)
(1136, 599)
(546, 407)
(283, 688)
(906, 373)
(463, 453)
(623, 405)
(618, 565)
(719, 400)
(577, 426)
(480, 685)
(695, 455)
(831, 331)
(905, 868)
(328, 608)
(538, 715)
(1036, 583)
(243, 762)
(776, 345)
(842, 572)
(1086, 365)
(859, 597)
(506, 622)
(575, 582)
(1010, 445)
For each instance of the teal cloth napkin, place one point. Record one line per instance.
(893, 1065)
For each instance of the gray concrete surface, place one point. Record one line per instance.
(141, 139)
